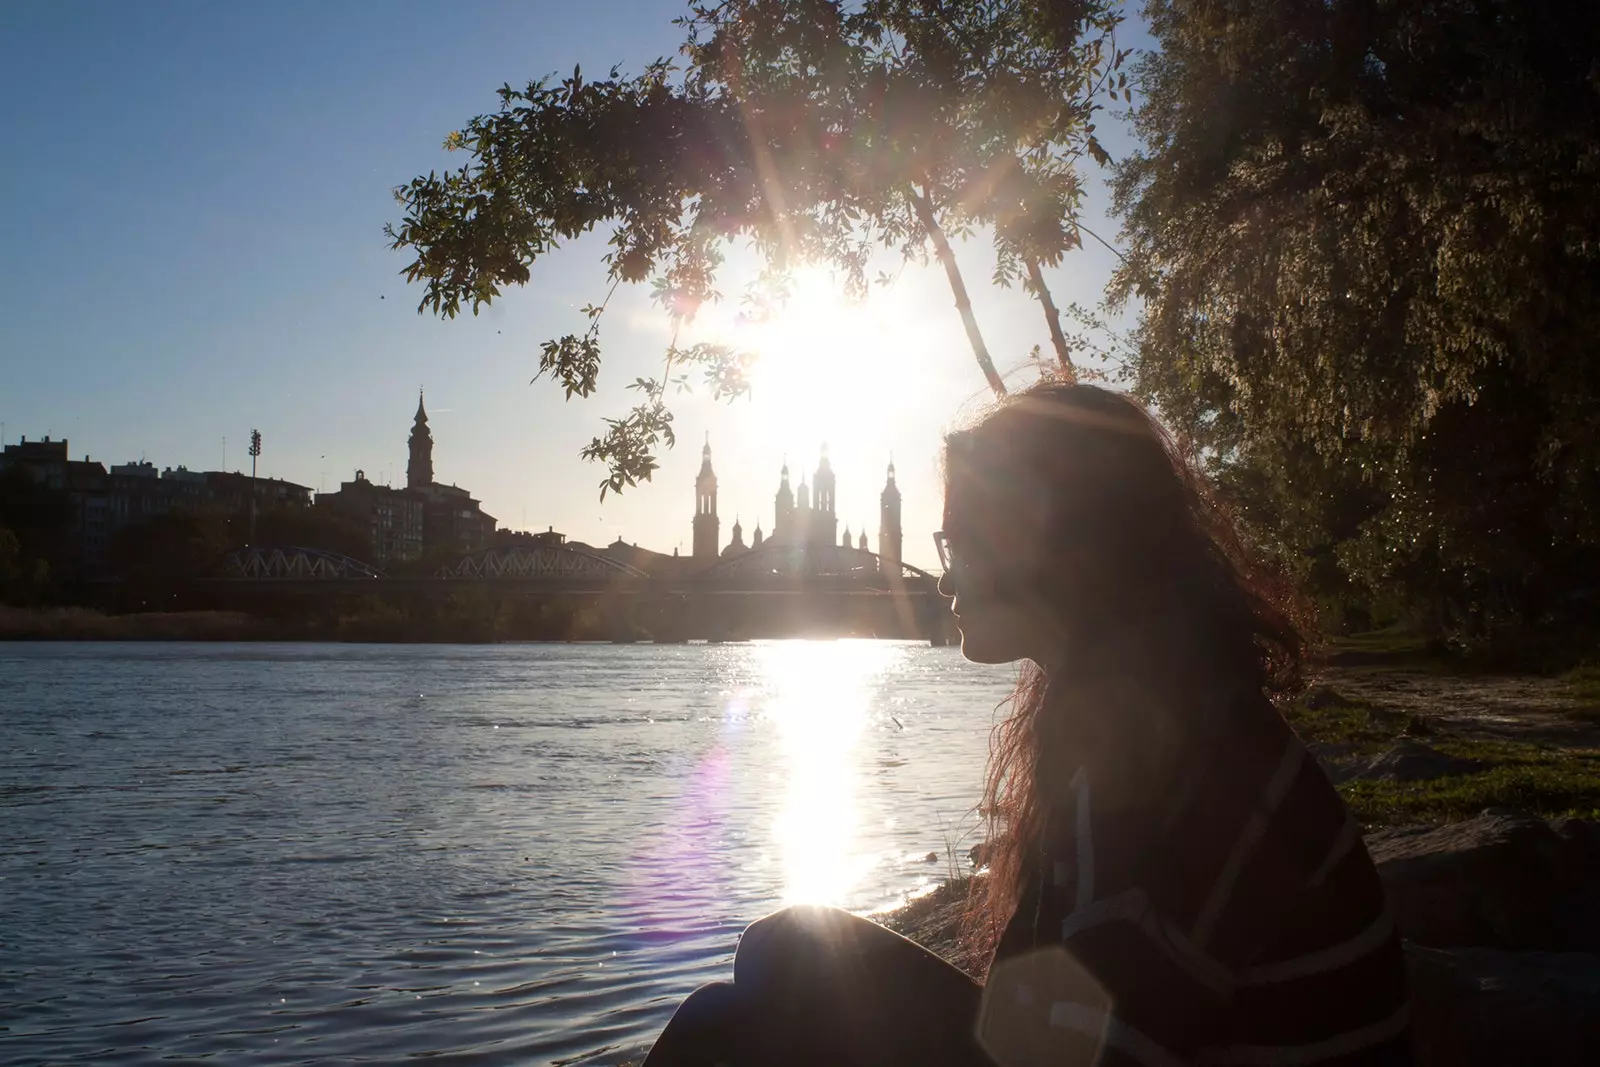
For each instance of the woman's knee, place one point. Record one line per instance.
(704, 1029)
(794, 939)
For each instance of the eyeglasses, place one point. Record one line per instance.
(941, 544)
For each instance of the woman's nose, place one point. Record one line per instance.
(947, 588)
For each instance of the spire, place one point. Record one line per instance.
(705, 507)
(823, 466)
(889, 532)
(419, 468)
(822, 488)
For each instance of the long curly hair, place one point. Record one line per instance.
(1167, 627)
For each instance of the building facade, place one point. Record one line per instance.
(85, 489)
(392, 517)
(804, 516)
(453, 521)
(425, 518)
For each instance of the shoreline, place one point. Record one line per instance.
(64, 624)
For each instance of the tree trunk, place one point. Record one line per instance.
(1052, 318)
(947, 259)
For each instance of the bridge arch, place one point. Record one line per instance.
(270, 563)
(784, 560)
(551, 562)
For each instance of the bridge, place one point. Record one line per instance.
(774, 590)
(572, 568)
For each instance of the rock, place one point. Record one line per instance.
(978, 854)
(1501, 880)
(932, 857)
(1486, 1006)
(1412, 761)
(1322, 696)
(1338, 758)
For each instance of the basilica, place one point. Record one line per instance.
(804, 518)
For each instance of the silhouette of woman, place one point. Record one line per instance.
(1172, 879)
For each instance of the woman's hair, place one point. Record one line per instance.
(1168, 625)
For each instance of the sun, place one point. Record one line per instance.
(831, 369)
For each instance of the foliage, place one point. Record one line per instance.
(1541, 781)
(1544, 779)
(39, 518)
(319, 528)
(818, 131)
(1367, 234)
(157, 556)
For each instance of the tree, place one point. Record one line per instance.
(817, 130)
(318, 527)
(40, 518)
(1366, 234)
(160, 556)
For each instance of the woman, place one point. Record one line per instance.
(1173, 880)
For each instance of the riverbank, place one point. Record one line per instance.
(1479, 798)
(1406, 747)
(86, 624)
(370, 624)
(448, 623)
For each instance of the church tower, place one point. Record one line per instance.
(889, 526)
(825, 522)
(784, 505)
(419, 471)
(705, 508)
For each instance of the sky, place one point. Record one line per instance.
(191, 246)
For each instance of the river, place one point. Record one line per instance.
(278, 854)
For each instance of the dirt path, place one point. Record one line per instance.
(1509, 707)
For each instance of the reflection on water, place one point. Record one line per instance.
(517, 854)
(820, 696)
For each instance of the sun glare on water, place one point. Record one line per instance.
(821, 692)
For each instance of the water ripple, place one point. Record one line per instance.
(517, 854)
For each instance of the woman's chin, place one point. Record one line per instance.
(976, 648)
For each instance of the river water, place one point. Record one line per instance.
(525, 854)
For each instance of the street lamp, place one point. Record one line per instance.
(255, 450)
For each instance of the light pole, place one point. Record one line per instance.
(255, 450)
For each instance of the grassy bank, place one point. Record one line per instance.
(85, 624)
(365, 624)
(1541, 758)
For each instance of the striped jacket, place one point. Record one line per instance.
(1239, 920)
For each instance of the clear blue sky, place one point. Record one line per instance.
(191, 245)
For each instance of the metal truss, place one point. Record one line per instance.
(548, 563)
(294, 564)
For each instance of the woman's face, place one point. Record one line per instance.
(989, 549)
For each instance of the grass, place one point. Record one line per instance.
(1544, 780)
(85, 624)
(1583, 683)
(1327, 717)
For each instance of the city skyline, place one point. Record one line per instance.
(158, 299)
(766, 517)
